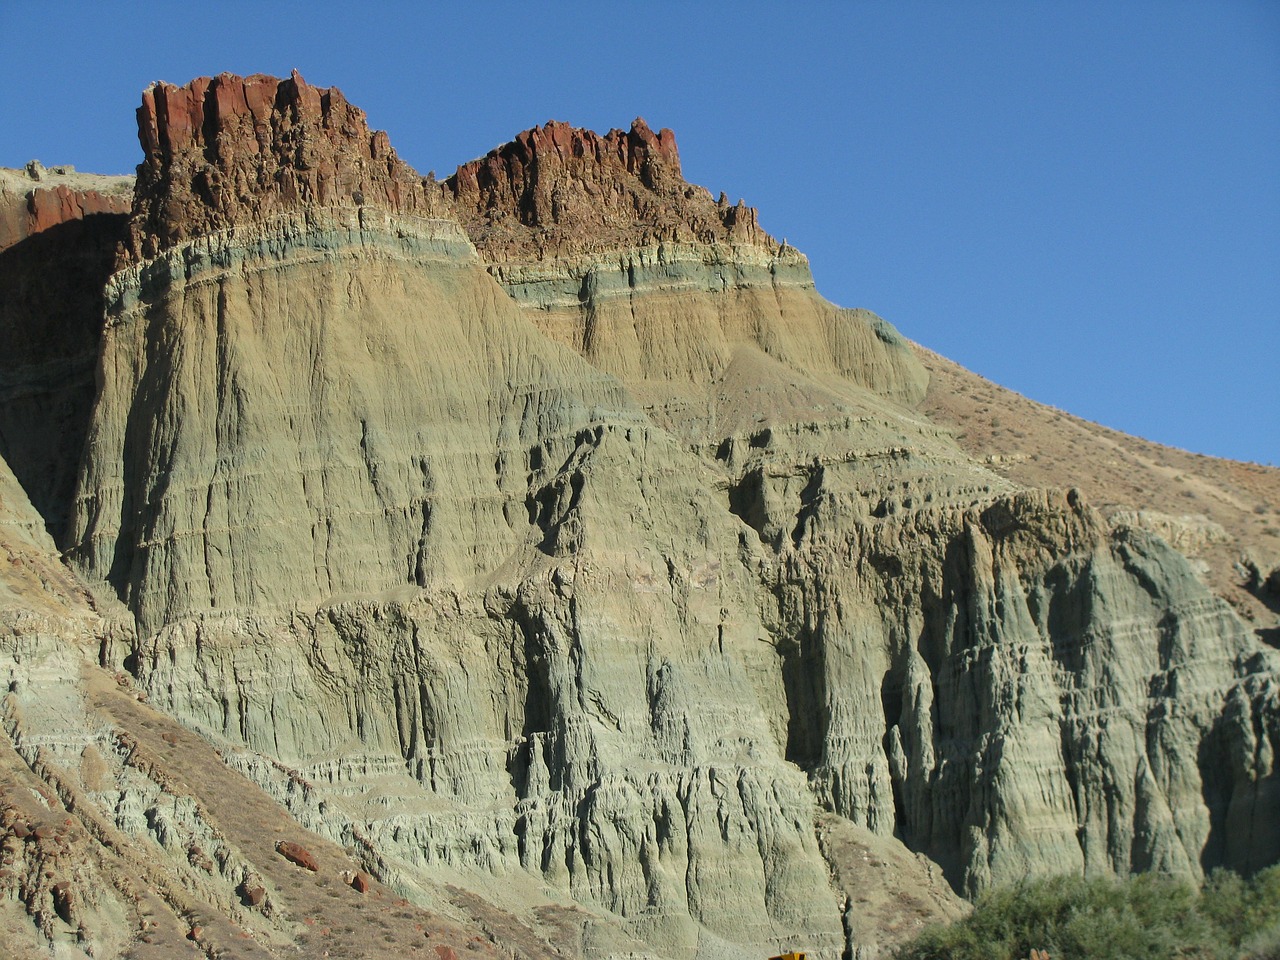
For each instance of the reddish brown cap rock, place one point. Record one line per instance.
(40, 205)
(556, 189)
(48, 208)
(34, 202)
(229, 150)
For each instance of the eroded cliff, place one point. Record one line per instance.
(59, 233)
(544, 533)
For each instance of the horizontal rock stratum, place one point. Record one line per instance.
(538, 545)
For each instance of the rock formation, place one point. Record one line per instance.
(242, 150)
(59, 232)
(542, 538)
(36, 199)
(559, 190)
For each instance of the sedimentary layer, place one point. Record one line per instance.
(543, 533)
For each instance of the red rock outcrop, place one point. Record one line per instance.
(32, 200)
(47, 208)
(557, 190)
(297, 853)
(230, 150)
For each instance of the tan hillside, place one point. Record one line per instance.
(1223, 512)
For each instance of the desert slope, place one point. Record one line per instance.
(1223, 512)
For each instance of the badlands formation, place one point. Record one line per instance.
(538, 557)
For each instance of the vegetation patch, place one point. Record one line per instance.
(1148, 917)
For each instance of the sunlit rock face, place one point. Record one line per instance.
(543, 530)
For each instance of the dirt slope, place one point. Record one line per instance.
(1223, 512)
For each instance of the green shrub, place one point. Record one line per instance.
(1263, 945)
(1148, 917)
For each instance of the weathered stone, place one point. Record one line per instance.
(557, 190)
(228, 150)
(30, 205)
(296, 853)
(58, 245)
(63, 901)
(609, 560)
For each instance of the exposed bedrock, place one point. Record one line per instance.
(622, 568)
(1014, 691)
(229, 150)
(556, 191)
(59, 231)
(613, 253)
(320, 407)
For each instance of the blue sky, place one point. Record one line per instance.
(1078, 200)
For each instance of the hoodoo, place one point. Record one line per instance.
(538, 551)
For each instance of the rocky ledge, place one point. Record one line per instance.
(558, 190)
(230, 150)
(37, 197)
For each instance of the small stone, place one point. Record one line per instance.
(361, 882)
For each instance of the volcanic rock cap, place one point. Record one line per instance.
(232, 150)
(557, 190)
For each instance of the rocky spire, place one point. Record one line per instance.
(557, 190)
(228, 150)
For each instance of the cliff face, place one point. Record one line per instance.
(557, 190)
(35, 199)
(612, 253)
(241, 150)
(59, 233)
(546, 525)
(1223, 514)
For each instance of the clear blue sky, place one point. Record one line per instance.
(1078, 200)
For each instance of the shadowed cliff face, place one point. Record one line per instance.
(59, 232)
(550, 527)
